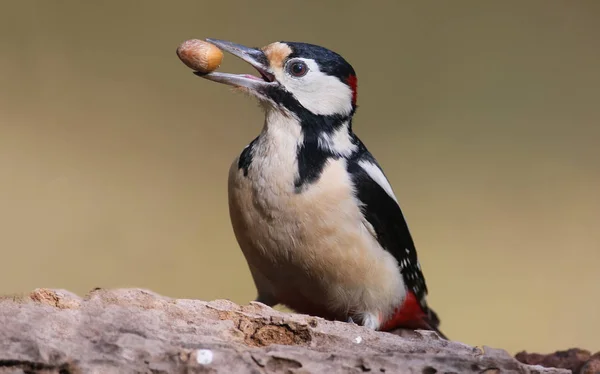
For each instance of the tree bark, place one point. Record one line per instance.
(137, 331)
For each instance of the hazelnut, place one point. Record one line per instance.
(199, 55)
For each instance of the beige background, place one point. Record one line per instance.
(114, 157)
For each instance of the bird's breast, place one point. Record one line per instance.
(312, 241)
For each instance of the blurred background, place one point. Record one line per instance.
(485, 116)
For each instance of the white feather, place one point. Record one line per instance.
(377, 175)
(339, 142)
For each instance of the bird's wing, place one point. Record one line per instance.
(380, 208)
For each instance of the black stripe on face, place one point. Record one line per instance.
(311, 123)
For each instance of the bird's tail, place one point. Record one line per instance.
(433, 323)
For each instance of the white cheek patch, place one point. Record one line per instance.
(318, 92)
(377, 175)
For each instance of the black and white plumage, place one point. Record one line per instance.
(312, 210)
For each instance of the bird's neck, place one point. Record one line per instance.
(303, 145)
(282, 127)
(331, 135)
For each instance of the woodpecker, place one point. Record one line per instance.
(312, 211)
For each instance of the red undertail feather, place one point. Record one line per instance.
(411, 315)
(408, 315)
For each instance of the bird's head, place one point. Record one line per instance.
(295, 77)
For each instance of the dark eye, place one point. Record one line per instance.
(298, 69)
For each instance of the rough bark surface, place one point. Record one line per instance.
(137, 331)
(579, 361)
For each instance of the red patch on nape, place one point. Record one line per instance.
(409, 315)
(353, 83)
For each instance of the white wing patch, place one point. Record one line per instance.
(377, 175)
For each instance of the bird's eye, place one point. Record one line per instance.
(298, 69)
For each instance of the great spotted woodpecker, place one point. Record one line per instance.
(312, 210)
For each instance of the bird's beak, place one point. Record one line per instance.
(254, 57)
